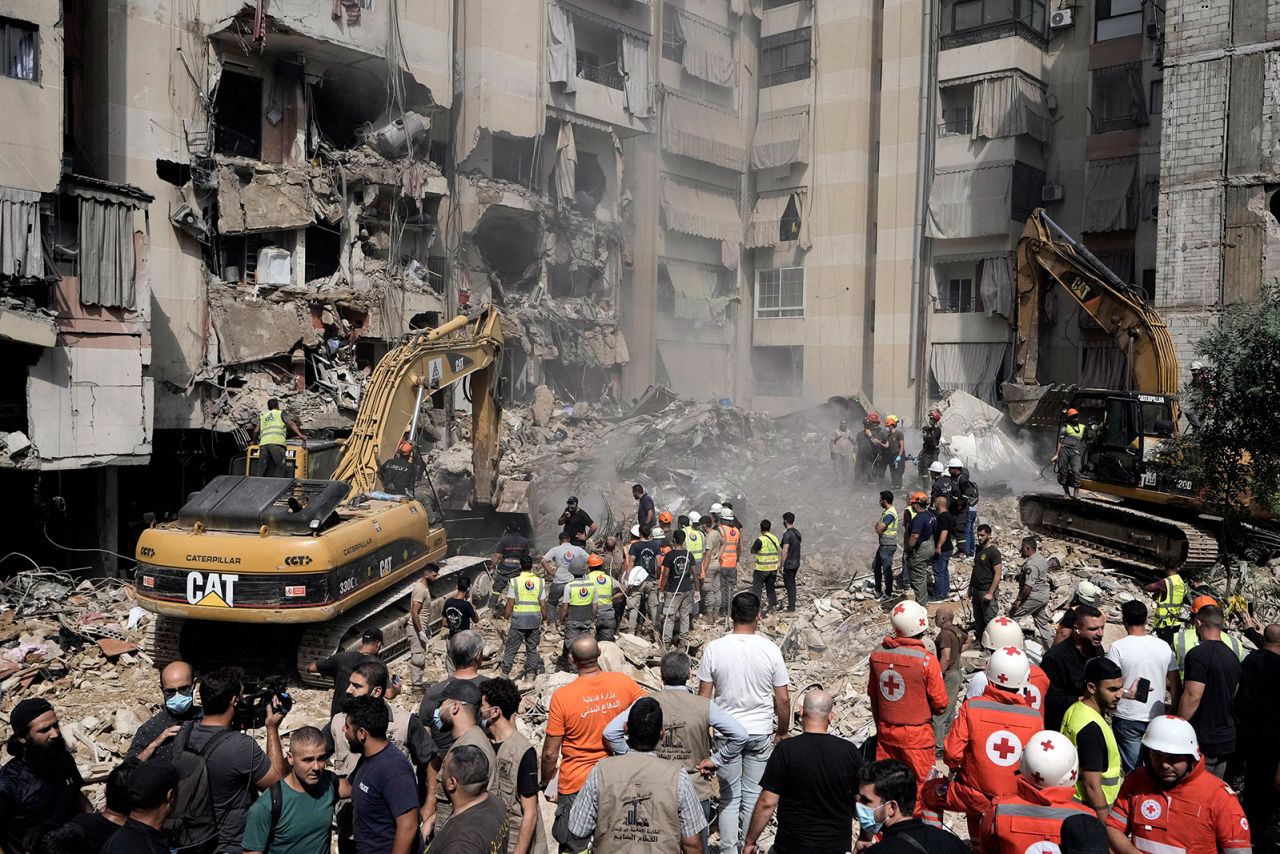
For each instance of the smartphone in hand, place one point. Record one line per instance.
(1143, 690)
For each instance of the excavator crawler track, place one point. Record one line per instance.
(1120, 534)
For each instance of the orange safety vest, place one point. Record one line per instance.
(900, 678)
(1025, 821)
(729, 551)
(996, 733)
(1038, 688)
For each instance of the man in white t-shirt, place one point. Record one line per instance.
(746, 675)
(1141, 657)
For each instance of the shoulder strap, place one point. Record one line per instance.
(213, 742)
(907, 839)
(277, 807)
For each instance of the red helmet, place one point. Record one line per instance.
(406, 448)
(935, 414)
(873, 417)
(1071, 412)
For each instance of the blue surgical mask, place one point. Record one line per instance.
(438, 723)
(179, 704)
(867, 818)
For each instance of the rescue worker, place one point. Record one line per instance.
(727, 564)
(606, 616)
(526, 611)
(868, 451)
(919, 557)
(507, 554)
(963, 502)
(578, 610)
(930, 444)
(1092, 736)
(1034, 591)
(270, 434)
(709, 572)
(1068, 456)
(1189, 638)
(1171, 803)
(887, 534)
(642, 579)
(400, 473)
(893, 450)
(940, 482)
(1002, 632)
(986, 741)
(906, 691)
(1170, 594)
(768, 550)
(695, 542)
(1031, 818)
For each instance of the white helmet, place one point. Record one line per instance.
(694, 517)
(1049, 759)
(635, 530)
(657, 532)
(909, 619)
(1008, 668)
(1088, 592)
(716, 508)
(1197, 365)
(1173, 735)
(954, 463)
(936, 467)
(1003, 631)
(726, 514)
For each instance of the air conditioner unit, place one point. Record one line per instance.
(1062, 18)
(1051, 193)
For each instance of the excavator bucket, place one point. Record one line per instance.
(1036, 405)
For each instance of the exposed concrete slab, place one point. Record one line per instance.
(269, 201)
(254, 330)
(27, 328)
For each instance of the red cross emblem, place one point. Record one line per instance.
(901, 608)
(1043, 847)
(1003, 748)
(1047, 745)
(923, 623)
(1012, 650)
(1002, 621)
(1033, 694)
(1001, 678)
(892, 688)
(1151, 809)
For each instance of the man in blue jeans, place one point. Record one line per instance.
(943, 547)
(887, 532)
(1141, 657)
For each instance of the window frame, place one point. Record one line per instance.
(670, 38)
(785, 43)
(779, 310)
(1123, 76)
(1118, 25)
(952, 298)
(1033, 15)
(1155, 96)
(789, 386)
(28, 30)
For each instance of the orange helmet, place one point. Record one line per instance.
(406, 447)
(595, 560)
(919, 497)
(891, 420)
(873, 417)
(1071, 412)
(1202, 602)
(665, 517)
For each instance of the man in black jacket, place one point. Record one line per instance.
(886, 806)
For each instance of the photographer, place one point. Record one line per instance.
(236, 766)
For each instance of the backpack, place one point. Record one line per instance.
(277, 805)
(193, 825)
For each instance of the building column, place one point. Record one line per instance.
(108, 521)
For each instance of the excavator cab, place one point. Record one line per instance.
(1124, 430)
(311, 459)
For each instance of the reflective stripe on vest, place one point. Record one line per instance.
(898, 674)
(729, 552)
(579, 594)
(1037, 811)
(694, 542)
(770, 549)
(271, 428)
(1187, 640)
(998, 732)
(1019, 827)
(1074, 431)
(528, 594)
(1077, 718)
(604, 586)
(1169, 609)
(891, 530)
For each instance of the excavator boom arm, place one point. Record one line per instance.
(462, 348)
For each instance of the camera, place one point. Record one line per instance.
(251, 709)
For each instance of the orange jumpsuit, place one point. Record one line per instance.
(906, 691)
(1199, 814)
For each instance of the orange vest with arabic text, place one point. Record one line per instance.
(997, 733)
(729, 551)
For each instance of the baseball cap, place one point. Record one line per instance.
(150, 782)
(372, 634)
(462, 690)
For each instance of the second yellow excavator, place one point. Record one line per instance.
(313, 563)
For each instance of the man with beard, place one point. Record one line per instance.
(40, 786)
(178, 689)
(383, 788)
(459, 713)
(305, 796)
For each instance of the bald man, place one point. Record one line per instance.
(812, 781)
(1257, 698)
(177, 706)
(949, 643)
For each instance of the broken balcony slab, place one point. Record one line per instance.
(266, 200)
(252, 330)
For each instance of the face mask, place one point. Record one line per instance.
(179, 704)
(439, 723)
(867, 818)
(485, 723)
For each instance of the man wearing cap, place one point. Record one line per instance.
(556, 564)
(525, 608)
(1172, 803)
(459, 711)
(1068, 456)
(1187, 639)
(578, 610)
(1034, 591)
(400, 473)
(153, 791)
(642, 579)
(1084, 723)
(507, 554)
(577, 523)
(1031, 819)
(40, 785)
(920, 541)
(338, 666)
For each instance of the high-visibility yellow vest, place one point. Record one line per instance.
(1187, 640)
(695, 543)
(604, 586)
(1169, 609)
(1077, 718)
(528, 594)
(1074, 432)
(891, 529)
(271, 428)
(767, 557)
(580, 595)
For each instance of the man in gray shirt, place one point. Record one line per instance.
(1034, 591)
(557, 561)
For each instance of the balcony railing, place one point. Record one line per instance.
(991, 32)
(604, 75)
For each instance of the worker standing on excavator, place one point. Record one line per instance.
(271, 437)
(1068, 456)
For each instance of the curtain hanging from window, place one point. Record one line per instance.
(562, 50)
(702, 132)
(106, 254)
(974, 368)
(700, 211)
(1009, 105)
(566, 163)
(635, 65)
(972, 203)
(695, 288)
(1109, 196)
(708, 50)
(997, 286)
(21, 252)
(781, 139)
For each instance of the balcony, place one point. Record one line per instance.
(605, 75)
(967, 22)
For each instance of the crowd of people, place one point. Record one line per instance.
(1128, 748)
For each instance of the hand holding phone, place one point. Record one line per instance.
(1143, 690)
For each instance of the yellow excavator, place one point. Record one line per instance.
(310, 564)
(1152, 519)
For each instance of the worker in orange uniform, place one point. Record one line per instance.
(726, 570)
(1031, 819)
(999, 633)
(906, 691)
(1172, 804)
(986, 742)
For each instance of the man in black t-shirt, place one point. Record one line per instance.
(646, 514)
(400, 473)
(642, 593)
(1209, 690)
(458, 613)
(577, 523)
(984, 581)
(338, 666)
(790, 558)
(943, 547)
(812, 780)
(677, 585)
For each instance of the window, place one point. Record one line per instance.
(512, 159)
(789, 225)
(780, 292)
(1028, 183)
(959, 16)
(1115, 19)
(777, 4)
(1155, 103)
(1149, 284)
(672, 44)
(1118, 102)
(785, 57)
(779, 371)
(19, 50)
(958, 295)
(238, 107)
(957, 111)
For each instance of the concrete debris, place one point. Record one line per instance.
(975, 432)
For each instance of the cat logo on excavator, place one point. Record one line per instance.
(214, 589)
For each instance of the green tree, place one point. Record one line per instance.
(1233, 459)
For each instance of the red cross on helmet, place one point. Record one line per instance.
(1008, 668)
(909, 619)
(1049, 759)
(1001, 632)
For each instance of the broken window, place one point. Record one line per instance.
(957, 110)
(509, 242)
(566, 280)
(596, 54)
(238, 108)
(789, 225)
(589, 183)
(512, 159)
(19, 50)
(780, 292)
(241, 255)
(779, 371)
(1115, 19)
(1118, 102)
(672, 42)
(785, 57)
(344, 101)
(1155, 103)
(322, 248)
